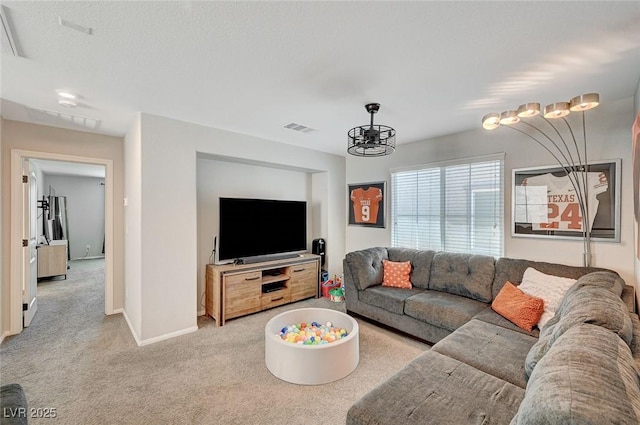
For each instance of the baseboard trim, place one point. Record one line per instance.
(87, 258)
(168, 336)
(201, 312)
(133, 332)
(117, 311)
(141, 342)
(3, 336)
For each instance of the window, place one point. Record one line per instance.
(454, 206)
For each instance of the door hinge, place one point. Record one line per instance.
(25, 242)
(25, 179)
(25, 307)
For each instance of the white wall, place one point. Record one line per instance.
(168, 211)
(85, 212)
(217, 179)
(636, 108)
(45, 139)
(609, 130)
(133, 229)
(3, 320)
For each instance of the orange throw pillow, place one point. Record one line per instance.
(519, 308)
(396, 274)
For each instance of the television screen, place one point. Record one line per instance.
(261, 227)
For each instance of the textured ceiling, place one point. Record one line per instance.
(253, 67)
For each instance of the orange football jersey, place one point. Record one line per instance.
(365, 204)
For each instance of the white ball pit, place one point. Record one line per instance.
(311, 364)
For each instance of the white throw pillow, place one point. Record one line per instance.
(550, 288)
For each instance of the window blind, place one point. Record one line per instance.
(456, 207)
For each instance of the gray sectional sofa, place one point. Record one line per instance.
(581, 368)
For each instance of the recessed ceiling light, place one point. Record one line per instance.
(66, 94)
(67, 103)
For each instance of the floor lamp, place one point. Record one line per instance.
(570, 154)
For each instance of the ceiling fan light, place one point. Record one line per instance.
(491, 121)
(584, 102)
(509, 118)
(370, 139)
(556, 110)
(528, 110)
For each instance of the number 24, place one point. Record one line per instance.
(570, 214)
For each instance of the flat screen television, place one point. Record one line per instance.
(260, 229)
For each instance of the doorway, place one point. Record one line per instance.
(19, 274)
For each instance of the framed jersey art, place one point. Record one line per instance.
(367, 204)
(546, 204)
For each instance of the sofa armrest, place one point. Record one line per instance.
(629, 297)
(13, 405)
(364, 268)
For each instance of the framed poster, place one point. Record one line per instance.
(367, 204)
(545, 203)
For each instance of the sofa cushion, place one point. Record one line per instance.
(540, 348)
(366, 266)
(420, 260)
(587, 377)
(396, 274)
(635, 341)
(605, 279)
(512, 269)
(436, 389)
(516, 306)
(595, 305)
(390, 299)
(463, 274)
(498, 351)
(441, 309)
(490, 316)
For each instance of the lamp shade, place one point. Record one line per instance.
(584, 102)
(491, 121)
(528, 110)
(509, 118)
(556, 110)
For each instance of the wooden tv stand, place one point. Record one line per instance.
(234, 290)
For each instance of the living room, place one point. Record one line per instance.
(167, 170)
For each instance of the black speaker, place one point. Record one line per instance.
(318, 247)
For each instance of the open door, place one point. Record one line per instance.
(29, 238)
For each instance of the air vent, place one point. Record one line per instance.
(299, 127)
(77, 27)
(8, 41)
(60, 119)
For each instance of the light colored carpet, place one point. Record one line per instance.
(87, 366)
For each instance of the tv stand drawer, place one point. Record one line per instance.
(275, 298)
